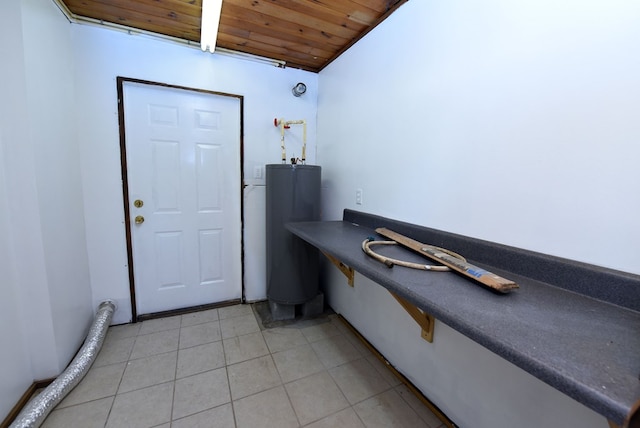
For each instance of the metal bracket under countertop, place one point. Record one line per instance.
(424, 320)
(346, 270)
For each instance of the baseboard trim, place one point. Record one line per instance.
(22, 402)
(436, 411)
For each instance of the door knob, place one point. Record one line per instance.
(138, 203)
(139, 219)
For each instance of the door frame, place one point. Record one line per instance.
(120, 81)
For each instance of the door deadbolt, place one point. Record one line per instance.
(139, 219)
(138, 203)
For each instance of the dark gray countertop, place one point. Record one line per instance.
(584, 346)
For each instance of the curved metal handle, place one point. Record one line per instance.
(139, 219)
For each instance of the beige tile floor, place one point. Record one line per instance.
(220, 368)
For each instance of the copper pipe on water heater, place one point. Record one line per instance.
(286, 125)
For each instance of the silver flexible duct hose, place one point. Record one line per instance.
(34, 414)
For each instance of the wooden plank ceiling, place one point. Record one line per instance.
(306, 34)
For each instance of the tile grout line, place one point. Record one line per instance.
(404, 381)
(175, 376)
(226, 370)
(364, 353)
(291, 404)
(328, 371)
(282, 384)
(126, 364)
(106, 421)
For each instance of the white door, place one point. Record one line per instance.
(183, 168)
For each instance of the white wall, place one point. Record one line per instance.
(60, 169)
(515, 122)
(50, 98)
(508, 121)
(16, 195)
(473, 386)
(15, 368)
(46, 307)
(101, 55)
